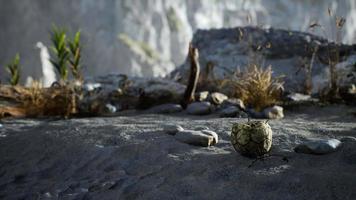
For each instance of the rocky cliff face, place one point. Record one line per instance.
(147, 38)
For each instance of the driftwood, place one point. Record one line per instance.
(35, 101)
(194, 76)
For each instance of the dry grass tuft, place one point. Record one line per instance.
(256, 87)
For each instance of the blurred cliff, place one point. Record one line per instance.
(148, 38)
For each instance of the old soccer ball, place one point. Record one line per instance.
(252, 139)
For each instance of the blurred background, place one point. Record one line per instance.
(148, 37)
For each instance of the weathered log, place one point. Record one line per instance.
(194, 76)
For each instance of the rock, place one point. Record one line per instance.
(348, 139)
(348, 94)
(213, 134)
(233, 102)
(196, 138)
(218, 98)
(318, 146)
(231, 111)
(199, 108)
(91, 86)
(172, 129)
(166, 108)
(201, 96)
(252, 139)
(110, 108)
(298, 97)
(275, 112)
(284, 50)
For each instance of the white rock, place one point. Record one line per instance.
(172, 129)
(275, 112)
(201, 96)
(199, 108)
(213, 134)
(110, 108)
(196, 138)
(218, 98)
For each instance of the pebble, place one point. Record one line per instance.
(318, 146)
(199, 108)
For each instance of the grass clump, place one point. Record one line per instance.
(256, 87)
(14, 70)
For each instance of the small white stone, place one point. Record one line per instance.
(196, 138)
(172, 129)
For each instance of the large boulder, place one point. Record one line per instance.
(223, 51)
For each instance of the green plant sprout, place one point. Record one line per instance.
(75, 57)
(61, 52)
(14, 70)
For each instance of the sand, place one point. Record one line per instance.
(129, 157)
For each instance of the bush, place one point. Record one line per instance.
(256, 87)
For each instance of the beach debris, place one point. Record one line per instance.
(218, 98)
(197, 138)
(274, 112)
(166, 108)
(252, 139)
(199, 108)
(172, 129)
(201, 96)
(318, 146)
